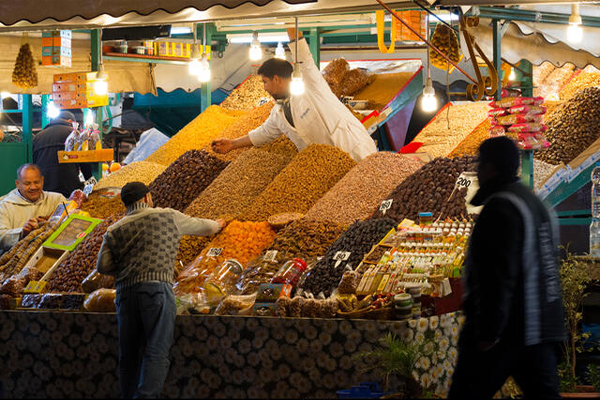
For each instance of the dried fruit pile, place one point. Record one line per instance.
(248, 95)
(237, 186)
(100, 206)
(305, 180)
(69, 275)
(357, 240)
(470, 145)
(24, 75)
(185, 179)
(429, 189)
(189, 248)
(304, 238)
(581, 81)
(446, 41)
(450, 127)
(344, 81)
(361, 190)
(141, 171)
(572, 127)
(552, 79)
(252, 120)
(283, 147)
(198, 134)
(243, 241)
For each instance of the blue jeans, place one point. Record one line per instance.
(146, 315)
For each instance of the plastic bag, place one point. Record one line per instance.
(50, 301)
(150, 140)
(519, 119)
(236, 305)
(78, 197)
(261, 270)
(515, 100)
(192, 278)
(497, 112)
(523, 109)
(95, 280)
(73, 138)
(101, 300)
(527, 127)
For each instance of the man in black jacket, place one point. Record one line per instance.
(513, 303)
(61, 178)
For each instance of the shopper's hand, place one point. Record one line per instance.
(222, 223)
(222, 146)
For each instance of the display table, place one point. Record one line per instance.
(61, 354)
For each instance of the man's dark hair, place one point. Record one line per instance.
(66, 115)
(276, 66)
(27, 166)
(502, 153)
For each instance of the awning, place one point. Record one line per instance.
(81, 14)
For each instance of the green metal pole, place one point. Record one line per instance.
(45, 118)
(96, 49)
(527, 159)
(27, 110)
(526, 80)
(497, 45)
(314, 37)
(206, 89)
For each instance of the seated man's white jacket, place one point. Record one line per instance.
(319, 117)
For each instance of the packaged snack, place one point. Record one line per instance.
(50, 301)
(527, 127)
(101, 300)
(497, 130)
(519, 119)
(236, 305)
(497, 112)
(95, 280)
(523, 109)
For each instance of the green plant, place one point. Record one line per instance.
(593, 375)
(574, 278)
(397, 357)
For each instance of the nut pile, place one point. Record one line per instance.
(283, 147)
(304, 238)
(243, 241)
(305, 180)
(185, 179)
(358, 240)
(383, 89)
(24, 75)
(198, 134)
(553, 81)
(248, 95)
(470, 145)
(334, 74)
(572, 127)
(252, 120)
(69, 275)
(238, 185)
(363, 188)
(583, 80)
(446, 41)
(141, 171)
(429, 189)
(541, 172)
(100, 206)
(450, 127)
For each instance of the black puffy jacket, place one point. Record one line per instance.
(61, 178)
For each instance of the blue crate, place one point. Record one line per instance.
(366, 390)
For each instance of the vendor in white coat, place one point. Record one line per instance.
(317, 116)
(24, 208)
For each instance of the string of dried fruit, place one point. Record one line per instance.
(446, 41)
(24, 74)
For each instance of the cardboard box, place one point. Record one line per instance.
(56, 51)
(56, 41)
(75, 77)
(62, 33)
(85, 156)
(59, 61)
(84, 87)
(270, 292)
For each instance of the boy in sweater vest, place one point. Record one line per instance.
(140, 252)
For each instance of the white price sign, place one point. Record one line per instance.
(469, 181)
(386, 205)
(214, 252)
(271, 255)
(341, 256)
(464, 181)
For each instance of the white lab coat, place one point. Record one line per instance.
(319, 117)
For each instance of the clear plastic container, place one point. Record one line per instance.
(425, 218)
(290, 272)
(222, 280)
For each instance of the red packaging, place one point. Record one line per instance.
(513, 119)
(527, 127)
(524, 109)
(497, 130)
(497, 112)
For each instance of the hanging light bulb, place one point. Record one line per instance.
(4, 95)
(204, 71)
(280, 51)
(297, 84)
(194, 65)
(429, 102)
(574, 31)
(89, 119)
(100, 84)
(512, 76)
(255, 49)
(52, 111)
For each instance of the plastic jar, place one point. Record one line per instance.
(122, 47)
(425, 218)
(290, 272)
(222, 279)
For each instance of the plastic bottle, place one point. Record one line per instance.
(595, 225)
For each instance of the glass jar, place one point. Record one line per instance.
(290, 272)
(425, 218)
(222, 280)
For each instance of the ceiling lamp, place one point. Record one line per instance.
(297, 85)
(255, 49)
(101, 84)
(574, 31)
(512, 76)
(280, 51)
(194, 65)
(428, 102)
(204, 65)
(52, 111)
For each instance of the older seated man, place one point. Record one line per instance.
(24, 208)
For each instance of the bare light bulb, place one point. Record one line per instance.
(194, 65)
(100, 84)
(512, 76)
(89, 119)
(255, 49)
(574, 33)
(280, 51)
(52, 111)
(204, 71)
(297, 84)
(429, 102)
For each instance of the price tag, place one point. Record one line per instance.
(386, 205)
(35, 287)
(341, 256)
(464, 181)
(271, 255)
(214, 252)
